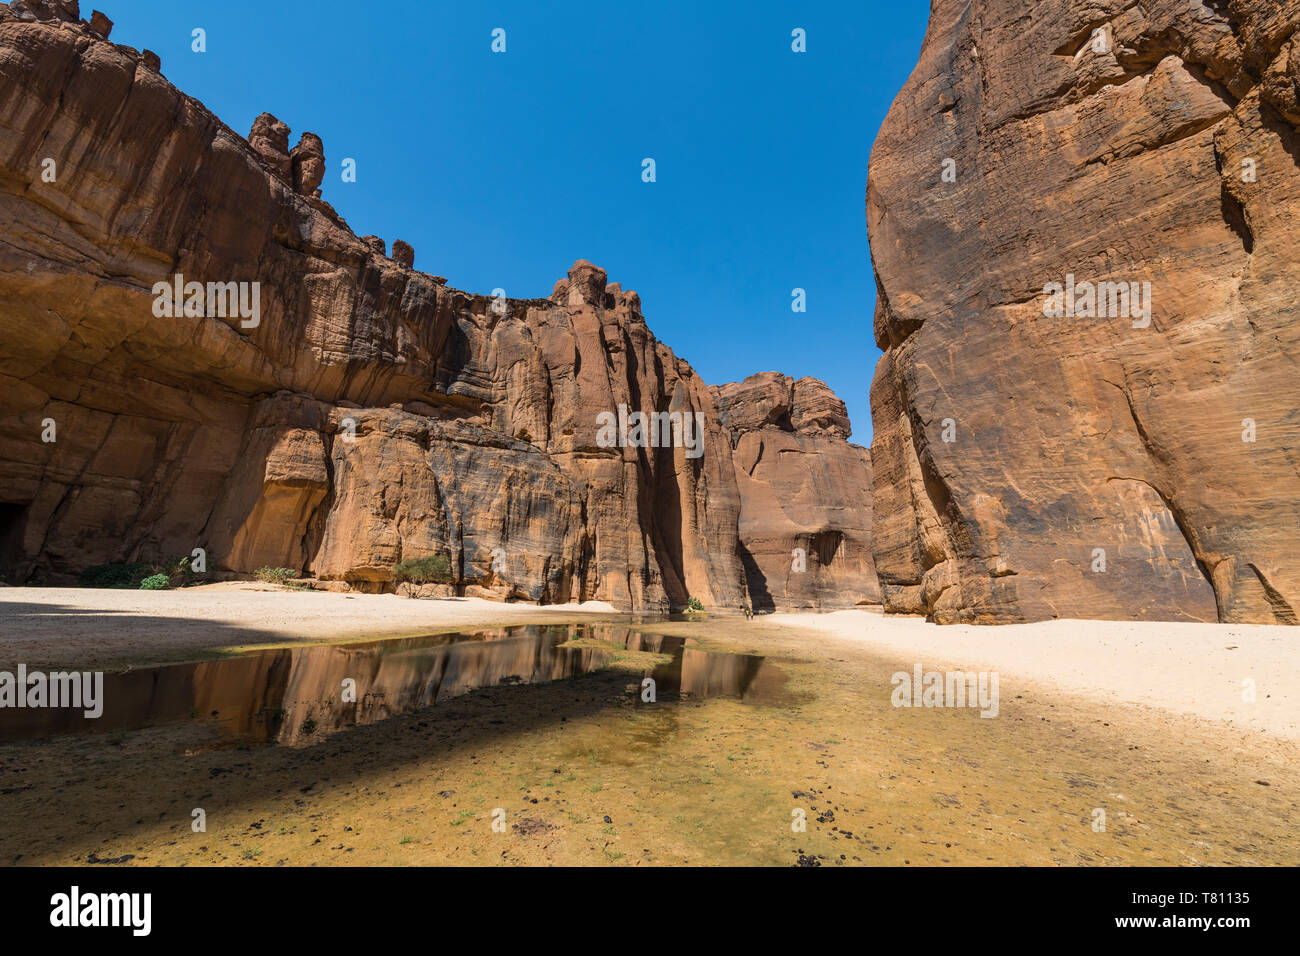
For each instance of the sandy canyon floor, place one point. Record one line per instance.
(1146, 722)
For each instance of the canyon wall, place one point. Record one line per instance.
(805, 494)
(367, 413)
(1092, 461)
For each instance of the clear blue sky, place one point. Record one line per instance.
(502, 169)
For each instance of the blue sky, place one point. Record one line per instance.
(501, 169)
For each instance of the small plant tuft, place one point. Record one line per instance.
(275, 575)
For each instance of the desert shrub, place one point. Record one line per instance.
(155, 582)
(413, 573)
(115, 575)
(275, 575)
(693, 604)
(178, 571)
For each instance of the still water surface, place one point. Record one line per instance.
(296, 695)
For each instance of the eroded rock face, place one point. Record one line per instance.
(270, 140)
(403, 254)
(1015, 451)
(805, 494)
(360, 414)
(67, 11)
(308, 161)
(100, 25)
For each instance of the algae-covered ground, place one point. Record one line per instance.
(813, 767)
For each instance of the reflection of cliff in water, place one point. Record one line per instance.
(296, 695)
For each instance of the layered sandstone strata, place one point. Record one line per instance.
(344, 413)
(1031, 465)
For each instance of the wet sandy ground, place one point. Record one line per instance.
(586, 774)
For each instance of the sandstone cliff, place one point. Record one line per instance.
(358, 412)
(1103, 465)
(805, 494)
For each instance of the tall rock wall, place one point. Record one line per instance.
(805, 494)
(365, 413)
(1037, 459)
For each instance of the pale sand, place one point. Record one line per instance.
(1194, 669)
(83, 626)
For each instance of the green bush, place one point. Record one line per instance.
(176, 572)
(275, 575)
(155, 582)
(412, 573)
(179, 573)
(115, 575)
(693, 604)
